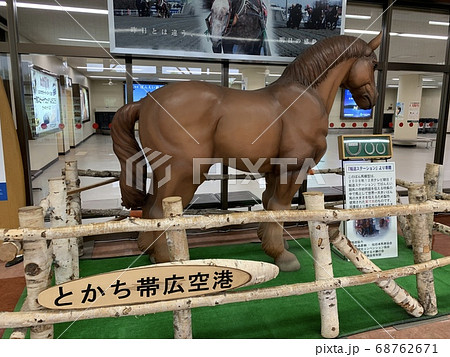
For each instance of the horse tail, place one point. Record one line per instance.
(132, 177)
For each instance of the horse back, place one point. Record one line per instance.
(179, 119)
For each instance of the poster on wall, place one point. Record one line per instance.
(46, 116)
(264, 30)
(84, 104)
(369, 184)
(399, 110)
(3, 191)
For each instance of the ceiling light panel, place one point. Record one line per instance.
(416, 37)
(439, 23)
(56, 7)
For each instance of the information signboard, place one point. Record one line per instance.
(357, 147)
(160, 282)
(369, 184)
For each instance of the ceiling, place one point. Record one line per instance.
(56, 27)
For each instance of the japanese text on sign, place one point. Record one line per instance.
(142, 285)
(368, 185)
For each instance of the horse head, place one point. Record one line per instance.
(361, 79)
(219, 22)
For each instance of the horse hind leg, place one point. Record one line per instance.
(180, 184)
(148, 241)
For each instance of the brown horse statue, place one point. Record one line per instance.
(196, 120)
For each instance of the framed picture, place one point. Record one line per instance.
(81, 106)
(255, 30)
(42, 101)
(84, 104)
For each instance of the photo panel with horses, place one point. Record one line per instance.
(218, 29)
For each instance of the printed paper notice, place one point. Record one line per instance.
(414, 110)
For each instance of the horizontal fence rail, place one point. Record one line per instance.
(46, 317)
(214, 221)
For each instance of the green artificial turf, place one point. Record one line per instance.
(360, 308)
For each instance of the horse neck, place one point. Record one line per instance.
(327, 89)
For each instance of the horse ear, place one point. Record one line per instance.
(376, 42)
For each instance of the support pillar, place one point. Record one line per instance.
(407, 110)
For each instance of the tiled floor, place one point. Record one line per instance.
(96, 153)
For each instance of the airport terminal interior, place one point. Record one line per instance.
(68, 43)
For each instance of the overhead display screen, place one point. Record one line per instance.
(350, 109)
(140, 90)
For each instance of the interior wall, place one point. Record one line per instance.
(105, 97)
(431, 100)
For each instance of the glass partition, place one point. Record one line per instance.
(63, 22)
(418, 36)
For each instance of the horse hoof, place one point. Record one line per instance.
(287, 261)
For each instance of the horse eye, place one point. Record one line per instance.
(375, 66)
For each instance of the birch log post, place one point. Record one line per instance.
(178, 251)
(323, 267)
(422, 251)
(431, 182)
(64, 250)
(73, 211)
(400, 296)
(405, 225)
(9, 250)
(443, 196)
(20, 333)
(37, 261)
(442, 228)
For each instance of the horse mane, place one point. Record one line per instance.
(310, 68)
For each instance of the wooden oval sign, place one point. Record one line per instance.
(158, 282)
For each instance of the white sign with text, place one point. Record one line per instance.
(369, 184)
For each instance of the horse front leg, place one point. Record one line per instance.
(271, 233)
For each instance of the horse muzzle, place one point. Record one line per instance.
(217, 46)
(366, 101)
